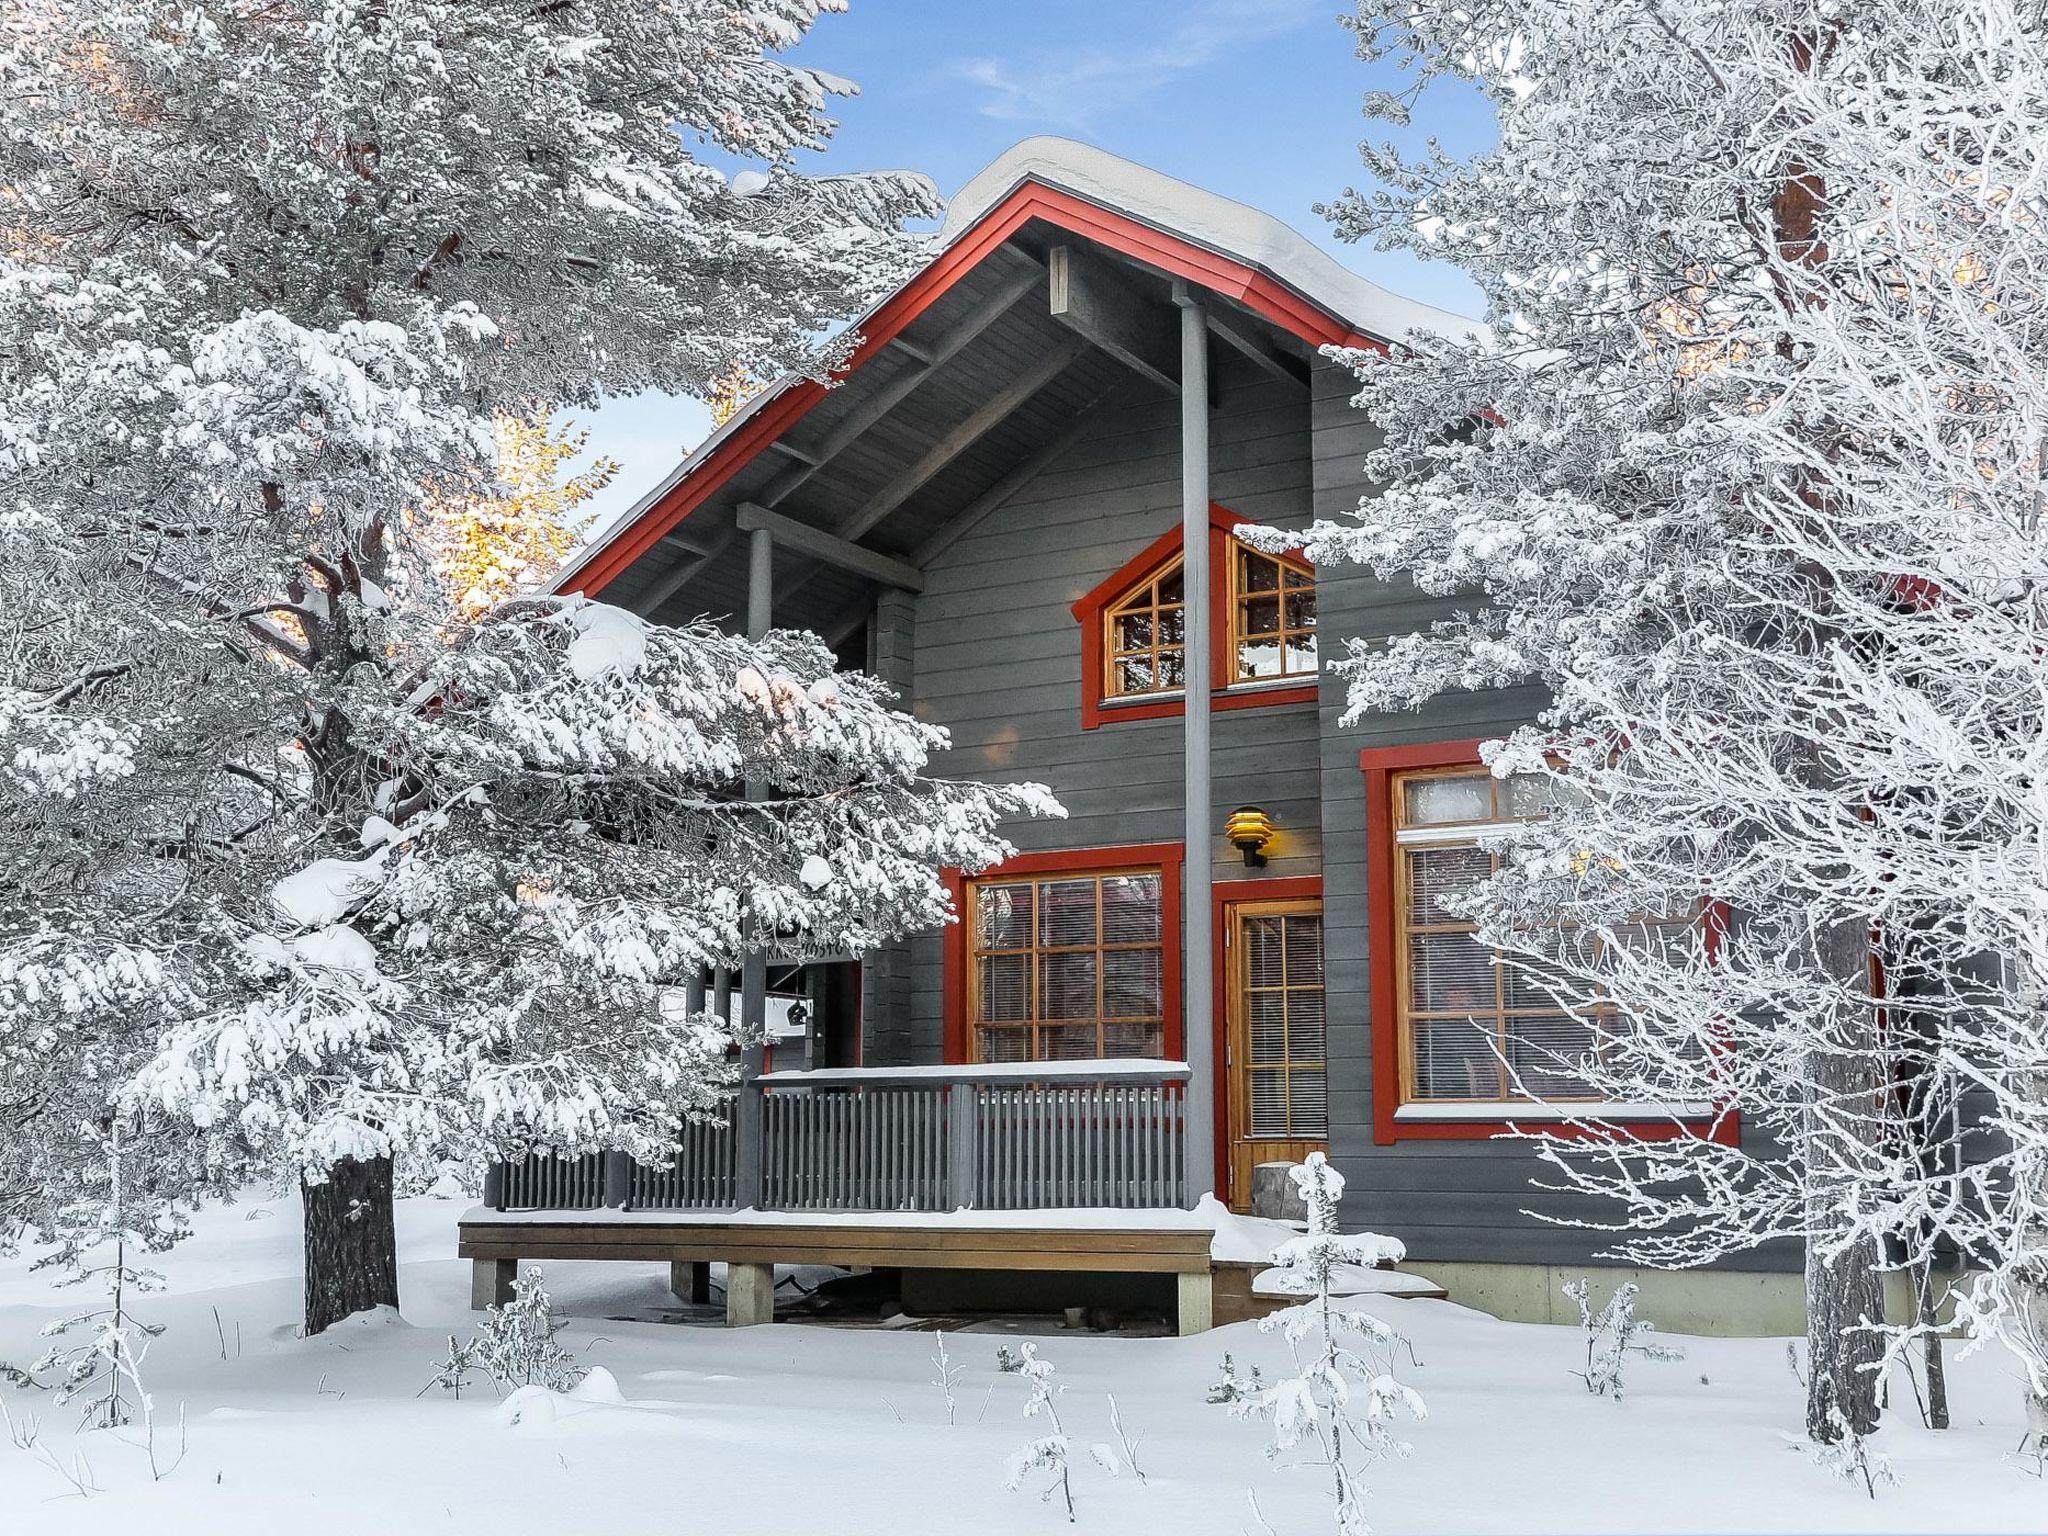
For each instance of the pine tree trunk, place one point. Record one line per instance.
(351, 1242)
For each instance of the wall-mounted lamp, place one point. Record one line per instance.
(1249, 830)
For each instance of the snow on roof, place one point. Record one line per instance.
(1229, 228)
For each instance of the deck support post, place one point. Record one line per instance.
(962, 1110)
(490, 1282)
(690, 1280)
(1197, 1299)
(753, 1022)
(1198, 1003)
(749, 1294)
(618, 1180)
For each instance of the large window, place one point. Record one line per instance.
(1272, 616)
(1066, 967)
(1472, 1030)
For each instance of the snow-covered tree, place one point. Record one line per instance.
(270, 273)
(1748, 476)
(1342, 1403)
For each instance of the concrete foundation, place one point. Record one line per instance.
(749, 1294)
(1712, 1303)
(490, 1282)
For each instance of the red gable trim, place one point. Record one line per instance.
(1257, 290)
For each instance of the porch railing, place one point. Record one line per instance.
(1013, 1137)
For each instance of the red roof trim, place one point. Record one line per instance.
(1257, 290)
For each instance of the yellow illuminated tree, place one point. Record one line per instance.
(489, 548)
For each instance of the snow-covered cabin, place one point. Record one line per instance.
(989, 512)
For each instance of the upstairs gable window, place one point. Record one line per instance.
(1147, 637)
(1261, 612)
(1272, 616)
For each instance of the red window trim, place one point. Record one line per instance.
(1255, 288)
(1096, 710)
(1227, 894)
(1379, 765)
(1079, 861)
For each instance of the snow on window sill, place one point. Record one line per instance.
(1523, 1112)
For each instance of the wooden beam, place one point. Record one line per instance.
(885, 399)
(681, 574)
(1092, 299)
(830, 548)
(1013, 479)
(1246, 339)
(978, 423)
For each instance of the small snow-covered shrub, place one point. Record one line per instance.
(1613, 1334)
(516, 1346)
(947, 1373)
(1048, 1453)
(1342, 1401)
(1233, 1388)
(1848, 1456)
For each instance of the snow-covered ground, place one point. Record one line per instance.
(829, 1430)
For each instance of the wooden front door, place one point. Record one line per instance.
(1276, 1059)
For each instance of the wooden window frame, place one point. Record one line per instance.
(957, 944)
(1383, 769)
(1234, 552)
(1100, 706)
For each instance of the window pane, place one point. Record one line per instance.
(1006, 1045)
(1172, 626)
(1455, 1059)
(1264, 938)
(1005, 987)
(1130, 909)
(1260, 658)
(1530, 794)
(1462, 797)
(1434, 873)
(1308, 1103)
(1304, 950)
(1548, 1055)
(1133, 631)
(1301, 653)
(1172, 586)
(1130, 984)
(1260, 616)
(1133, 1040)
(1169, 669)
(1305, 1026)
(1003, 916)
(1071, 1042)
(1266, 1017)
(1066, 986)
(1450, 973)
(1260, 573)
(1134, 675)
(1301, 610)
(1269, 1103)
(1066, 913)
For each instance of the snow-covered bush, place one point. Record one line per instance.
(1613, 1334)
(1229, 1387)
(515, 1346)
(1342, 1402)
(1048, 1453)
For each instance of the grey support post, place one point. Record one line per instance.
(1198, 1032)
(747, 1108)
(490, 1282)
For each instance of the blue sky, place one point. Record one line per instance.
(1256, 99)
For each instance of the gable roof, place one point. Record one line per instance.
(1169, 225)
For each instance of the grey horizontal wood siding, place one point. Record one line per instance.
(998, 651)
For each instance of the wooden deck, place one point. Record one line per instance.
(497, 1242)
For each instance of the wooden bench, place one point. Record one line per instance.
(496, 1242)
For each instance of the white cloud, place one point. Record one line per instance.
(1072, 87)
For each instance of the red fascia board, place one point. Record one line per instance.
(1257, 290)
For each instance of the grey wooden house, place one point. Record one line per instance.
(1017, 507)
